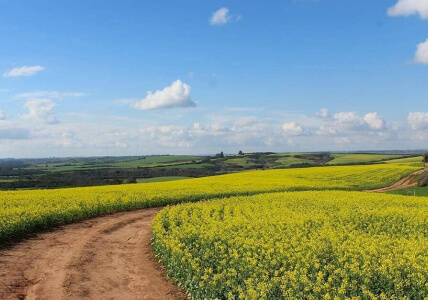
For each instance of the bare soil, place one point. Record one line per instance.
(406, 182)
(109, 257)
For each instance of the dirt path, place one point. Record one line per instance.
(403, 183)
(103, 258)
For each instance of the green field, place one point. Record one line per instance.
(155, 161)
(241, 161)
(344, 159)
(417, 160)
(289, 160)
(188, 166)
(161, 179)
(77, 164)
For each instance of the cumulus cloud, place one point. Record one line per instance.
(374, 120)
(51, 95)
(23, 71)
(409, 7)
(421, 55)
(350, 120)
(2, 115)
(323, 113)
(326, 131)
(175, 95)
(292, 128)
(222, 17)
(418, 120)
(40, 110)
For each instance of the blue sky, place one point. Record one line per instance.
(193, 77)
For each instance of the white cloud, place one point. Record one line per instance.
(409, 7)
(421, 55)
(292, 128)
(176, 95)
(323, 113)
(418, 120)
(349, 120)
(352, 121)
(2, 115)
(220, 17)
(23, 71)
(326, 131)
(374, 120)
(207, 130)
(51, 95)
(40, 110)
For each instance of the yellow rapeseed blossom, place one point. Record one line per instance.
(32, 210)
(298, 245)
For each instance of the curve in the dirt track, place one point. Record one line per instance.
(109, 257)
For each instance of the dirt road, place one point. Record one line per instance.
(103, 258)
(403, 183)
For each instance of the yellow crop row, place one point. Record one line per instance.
(28, 211)
(300, 245)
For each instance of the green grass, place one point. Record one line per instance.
(187, 166)
(343, 159)
(417, 191)
(161, 179)
(77, 164)
(418, 160)
(155, 160)
(242, 162)
(289, 160)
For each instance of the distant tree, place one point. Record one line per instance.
(220, 155)
(240, 152)
(426, 158)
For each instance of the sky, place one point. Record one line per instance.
(97, 78)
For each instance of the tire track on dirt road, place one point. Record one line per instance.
(109, 257)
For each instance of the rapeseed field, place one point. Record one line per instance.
(298, 245)
(33, 210)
